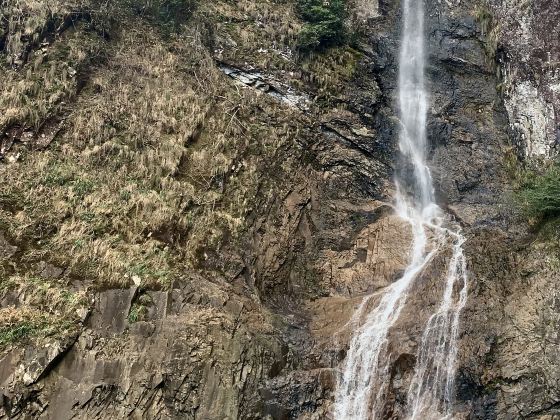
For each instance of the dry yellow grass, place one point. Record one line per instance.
(329, 72)
(26, 19)
(135, 183)
(156, 165)
(45, 308)
(261, 32)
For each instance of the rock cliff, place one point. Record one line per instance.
(191, 210)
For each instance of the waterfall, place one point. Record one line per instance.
(364, 378)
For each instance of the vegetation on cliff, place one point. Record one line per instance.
(175, 242)
(324, 25)
(128, 157)
(539, 195)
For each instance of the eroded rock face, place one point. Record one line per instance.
(508, 361)
(380, 254)
(182, 361)
(526, 36)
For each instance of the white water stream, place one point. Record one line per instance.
(364, 380)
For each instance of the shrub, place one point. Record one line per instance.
(324, 25)
(539, 196)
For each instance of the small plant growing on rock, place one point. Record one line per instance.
(539, 196)
(135, 314)
(490, 29)
(12, 333)
(139, 309)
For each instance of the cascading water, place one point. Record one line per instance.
(361, 391)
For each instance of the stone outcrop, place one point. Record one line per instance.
(525, 36)
(181, 361)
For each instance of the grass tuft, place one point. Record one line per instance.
(539, 196)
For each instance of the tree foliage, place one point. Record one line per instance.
(324, 25)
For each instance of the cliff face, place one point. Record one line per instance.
(525, 36)
(191, 213)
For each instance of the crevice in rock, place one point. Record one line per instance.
(268, 85)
